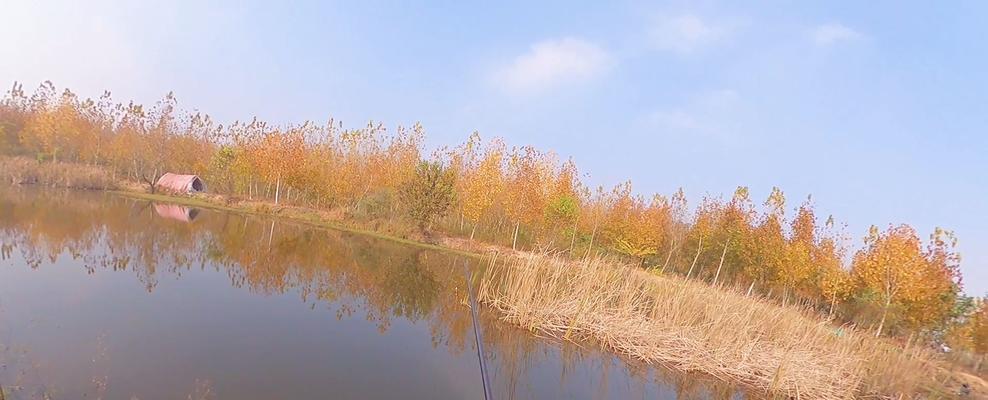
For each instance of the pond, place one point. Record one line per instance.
(104, 296)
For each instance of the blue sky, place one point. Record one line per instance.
(877, 109)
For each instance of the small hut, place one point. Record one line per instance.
(181, 184)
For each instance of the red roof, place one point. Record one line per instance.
(181, 183)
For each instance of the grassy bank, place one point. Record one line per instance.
(25, 171)
(300, 215)
(779, 350)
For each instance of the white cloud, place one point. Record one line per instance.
(709, 116)
(553, 63)
(686, 33)
(828, 34)
(677, 119)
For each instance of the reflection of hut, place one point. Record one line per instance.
(182, 184)
(176, 212)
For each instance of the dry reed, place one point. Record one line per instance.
(777, 350)
(25, 171)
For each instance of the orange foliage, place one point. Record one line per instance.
(917, 287)
(523, 197)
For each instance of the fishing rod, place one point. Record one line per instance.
(476, 334)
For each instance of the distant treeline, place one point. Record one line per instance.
(896, 283)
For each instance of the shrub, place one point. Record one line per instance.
(429, 194)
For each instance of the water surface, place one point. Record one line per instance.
(103, 296)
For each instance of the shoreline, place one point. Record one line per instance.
(195, 201)
(667, 322)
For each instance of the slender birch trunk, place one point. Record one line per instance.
(672, 246)
(885, 313)
(719, 266)
(833, 302)
(277, 191)
(514, 240)
(699, 246)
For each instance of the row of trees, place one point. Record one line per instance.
(514, 196)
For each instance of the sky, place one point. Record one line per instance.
(876, 109)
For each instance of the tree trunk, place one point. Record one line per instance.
(514, 240)
(885, 313)
(722, 254)
(833, 302)
(277, 191)
(473, 231)
(699, 246)
(270, 235)
(672, 246)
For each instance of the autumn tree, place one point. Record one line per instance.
(152, 153)
(731, 241)
(959, 332)
(676, 229)
(979, 327)
(832, 280)
(770, 242)
(402, 156)
(702, 227)
(935, 301)
(801, 267)
(563, 203)
(592, 215)
(917, 286)
(14, 113)
(526, 189)
(429, 194)
(634, 227)
(41, 132)
(482, 182)
(277, 157)
(718, 239)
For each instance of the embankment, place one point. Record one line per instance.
(782, 351)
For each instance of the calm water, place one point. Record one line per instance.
(103, 296)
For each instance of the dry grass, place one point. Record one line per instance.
(780, 351)
(25, 171)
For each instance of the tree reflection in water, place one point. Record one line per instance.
(349, 274)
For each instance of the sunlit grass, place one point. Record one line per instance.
(25, 171)
(779, 350)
